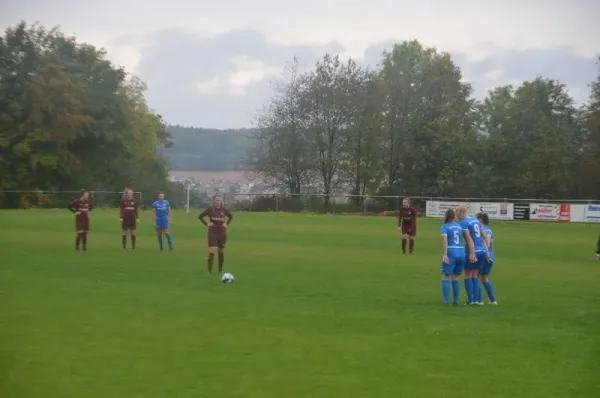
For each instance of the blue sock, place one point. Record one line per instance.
(170, 241)
(489, 288)
(476, 289)
(160, 242)
(479, 291)
(469, 289)
(455, 291)
(446, 291)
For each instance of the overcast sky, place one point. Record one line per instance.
(211, 63)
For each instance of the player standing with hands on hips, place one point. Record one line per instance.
(219, 219)
(407, 225)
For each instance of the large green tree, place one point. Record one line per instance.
(69, 118)
(533, 140)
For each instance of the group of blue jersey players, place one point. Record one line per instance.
(468, 248)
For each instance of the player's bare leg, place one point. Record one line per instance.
(211, 258)
(411, 244)
(221, 259)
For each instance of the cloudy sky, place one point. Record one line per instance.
(212, 65)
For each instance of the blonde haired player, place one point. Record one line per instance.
(478, 255)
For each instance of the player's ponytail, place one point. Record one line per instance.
(449, 216)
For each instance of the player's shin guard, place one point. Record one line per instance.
(210, 261)
(411, 245)
(455, 292)
(403, 245)
(221, 261)
(489, 288)
(170, 241)
(469, 289)
(124, 241)
(160, 242)
(133, 241)
(84, 240)
(446, 291)
(77, 241)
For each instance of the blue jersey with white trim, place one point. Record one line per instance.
(161, 207)
(455, 235)
(490, 235)
(474, 227)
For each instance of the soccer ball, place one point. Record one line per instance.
(227, 278)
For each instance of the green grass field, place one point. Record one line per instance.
(323, 306)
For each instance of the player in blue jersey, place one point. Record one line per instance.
(453, 257)
(476, 247)
(161, 209)
(484, 272)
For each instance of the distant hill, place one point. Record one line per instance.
(200, 149)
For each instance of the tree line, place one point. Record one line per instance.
(412, 127)
(70, 119)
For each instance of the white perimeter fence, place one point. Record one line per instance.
(565, 210)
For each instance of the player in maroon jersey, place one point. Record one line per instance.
(219, 219)
(129, 216)
(81, 207)
(407, 225)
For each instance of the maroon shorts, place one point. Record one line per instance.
(82, 223)
(217, 240)
(129, 224)
(407, 229)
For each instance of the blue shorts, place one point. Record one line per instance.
(162, 224)
(456, 265)
(486, 269)
(479, 264)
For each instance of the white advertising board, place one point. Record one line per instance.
(496, 211)
(592, 213)
(550, 212)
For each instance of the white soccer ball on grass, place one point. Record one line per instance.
(227, 278)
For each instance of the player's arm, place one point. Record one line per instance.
(445, 248)
(154, 215)
(229, 216)
(486, 241)
(121, 209)
(137, 211)
(169, 212)
(414, 221)
(202, 218)
(470, 245)
(91, 204)
(72, 206)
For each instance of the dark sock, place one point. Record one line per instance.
(124, 241)
(133, 241)
(411, 245)
(403, 245)
(209, 263)
(77, 241)
(84, 240)
(221, 261)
